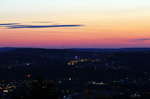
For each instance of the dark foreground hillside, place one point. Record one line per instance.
(65, 74)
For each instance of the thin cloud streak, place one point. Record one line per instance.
(40, 26)
(18, 25)
(140, 40)
(5, 24)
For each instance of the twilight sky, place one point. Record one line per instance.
(75, 23)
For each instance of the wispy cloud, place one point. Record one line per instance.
(40, 26)
(5, 24)
(140, 40)
(16, 26)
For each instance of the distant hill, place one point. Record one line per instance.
(109, 50)
(7, 49)
(103, 50)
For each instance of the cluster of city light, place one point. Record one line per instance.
(73, 62)
(77, 61)
(96, 83)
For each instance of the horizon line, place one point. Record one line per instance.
(77, 48)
